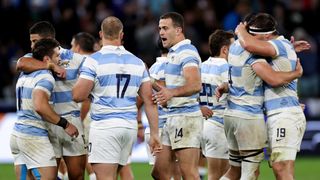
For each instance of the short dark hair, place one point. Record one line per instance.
(44, 47)
(162, 49)
(177, 19)
(264, 22)
(44, 28)
(218, 39)
(85, 40)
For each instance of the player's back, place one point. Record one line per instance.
(246, 87)
(29, 122)
(118, 77)
(214, 72)
(284, 97)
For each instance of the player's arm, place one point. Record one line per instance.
(145, 92)
(81, 90)
(40, 101)
(139, 104)
(276, 78)
(29, 64)
(253, 45)
(192, 86)
(85, 107)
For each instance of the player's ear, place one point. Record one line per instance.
(46, 59)
(100, 34)
(178, 30)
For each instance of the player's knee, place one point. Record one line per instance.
(235, 159)
(250, 164)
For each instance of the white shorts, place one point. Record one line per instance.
(63, 144)
(285, 131)
(151, 157)
(34, 151)
(182, 132)
(245, 134)
(112, 145)
(214, 142)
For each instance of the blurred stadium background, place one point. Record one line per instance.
(140, 18)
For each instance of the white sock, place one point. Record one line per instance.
(92, 176)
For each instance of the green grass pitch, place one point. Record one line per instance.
(306, 168)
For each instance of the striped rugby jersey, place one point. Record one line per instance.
(181, 55)
(117, 75)
(246, 92)
(214, 72)
(29, 121)
(157, 72)
(62, 93)
(282, 98)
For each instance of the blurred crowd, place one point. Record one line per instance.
(140, 17)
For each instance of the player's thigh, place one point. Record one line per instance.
(164, 160)
(188, 158)
(105, 171)
(48, 173)
(75, 164)
(217, 166)
(251, 134)
(185, 131)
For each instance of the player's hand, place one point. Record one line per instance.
(241, 27)
(300, 46)
(71, 130)
(299, 68)
(223, 88)
(155, 144)
(206, 112)
(303, 106)
(140, 134)
(163, 96)
(59, 71)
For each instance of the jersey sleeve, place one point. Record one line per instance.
(188, 60)
(224, 70)
(88, 70)
(45, 83)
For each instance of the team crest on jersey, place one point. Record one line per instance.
(64, 64)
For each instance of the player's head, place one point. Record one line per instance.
(162, 49)
(83, 43)
(263, 25)
(111, 29)
(46, 50)
(171, 29)
(41, 30)
(219, 43)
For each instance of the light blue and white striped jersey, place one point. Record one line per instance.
(117, 76)
(180, 56)
(282, 98)
(214, 72)
(29, 121)
(245, 86)
(62, 93)
(157, 72)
